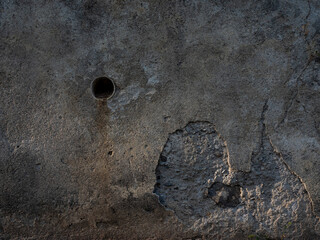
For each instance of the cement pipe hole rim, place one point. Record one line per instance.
(103, 88)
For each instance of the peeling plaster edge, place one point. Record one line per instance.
(276, 150)
(227, 158)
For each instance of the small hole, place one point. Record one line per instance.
(110, 153)
(102, 88)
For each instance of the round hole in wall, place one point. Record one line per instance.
(102, 88)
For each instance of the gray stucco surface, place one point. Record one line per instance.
(72, 166)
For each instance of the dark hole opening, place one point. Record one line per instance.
(103, 88)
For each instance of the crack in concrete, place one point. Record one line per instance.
(296, 92)
(312, 57)
(309, 11)
(263, 125)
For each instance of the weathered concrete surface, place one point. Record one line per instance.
(75, 167)
(194, 180)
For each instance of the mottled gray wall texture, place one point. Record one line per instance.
(158, 119)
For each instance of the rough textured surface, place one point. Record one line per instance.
(75, 167)
(195, 181)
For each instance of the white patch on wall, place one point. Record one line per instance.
(151, 70)
(152, 81)
(125, 96)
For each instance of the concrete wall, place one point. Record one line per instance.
(212, 131)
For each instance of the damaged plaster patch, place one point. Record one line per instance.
(152, 81)
(125, 96)
(194, 180)
(150, 71)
